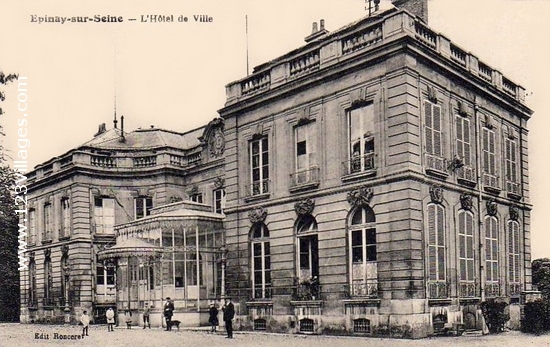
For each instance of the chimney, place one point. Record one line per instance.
(100, 129)
(122, 139)
(317, 33)
(418, 8)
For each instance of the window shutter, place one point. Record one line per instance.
(429, 127)
(466, 129)
(437, 130)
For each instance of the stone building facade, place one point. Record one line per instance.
(77, 200)
(373, 181)
(377, 184)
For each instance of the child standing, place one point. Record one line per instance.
(213, 317)
(85, 320)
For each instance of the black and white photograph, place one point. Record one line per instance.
(274, 173)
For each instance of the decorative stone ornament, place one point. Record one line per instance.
(47, 252)
(193, 191)
(304, 207)
(466, 201)
(64, 250)
(514, 213)
(462, 109)
(436, 194)
(258, 215)
(432, 94)
(219, 182)
(360, 196)
(258, 131)
(32, 255)
(492, 207)
(488, 121)
(216, 143)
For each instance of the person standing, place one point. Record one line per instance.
(168, 312)
(85, 320)
(110, 319)
(146, 312)
(213, 320)
(228, 314)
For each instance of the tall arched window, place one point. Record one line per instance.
(514, 265)
(32, 284)
(466, 254)
(362, 253)
(492, 287)
(437, 270)
(261, 261)
(308, 251)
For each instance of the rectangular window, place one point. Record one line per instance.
(48, 221)
(489, 159)
(305, 137)
(436, 243)
(219, 200)
(433, 129)
(65, 218)
(197, 198)
(511, 161)
(32, 227)
(142, 206)
(514, 263)
(259, 166)
(463, 139)
(100, 276)
(361, 138)
(261, 265)
(104, 215)
(466, 254)
(492, 276)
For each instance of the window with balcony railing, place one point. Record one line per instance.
(306, 171)
(514, 257)
(492, 275)
(466, 247)
(259, 166)
(511, 162)
(488, 143)
(361, 148)
(437, 271)
(465, 172)
(363, 253)
(433, 137)
(261, 261)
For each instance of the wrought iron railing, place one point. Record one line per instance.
(467, 289)
(436, 163)
(466, 173)
(362, 289)
(492, 289)
(308, 176)
(438, 290)
(259, 187)
(359, 163)
(491, 181)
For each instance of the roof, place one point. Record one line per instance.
(146, 139)
(130, 247)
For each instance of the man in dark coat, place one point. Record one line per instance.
(228, 314)
(168, 312)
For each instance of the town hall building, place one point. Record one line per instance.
(373, 182)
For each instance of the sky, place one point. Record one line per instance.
(173, 75)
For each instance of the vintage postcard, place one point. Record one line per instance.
(183, 169)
